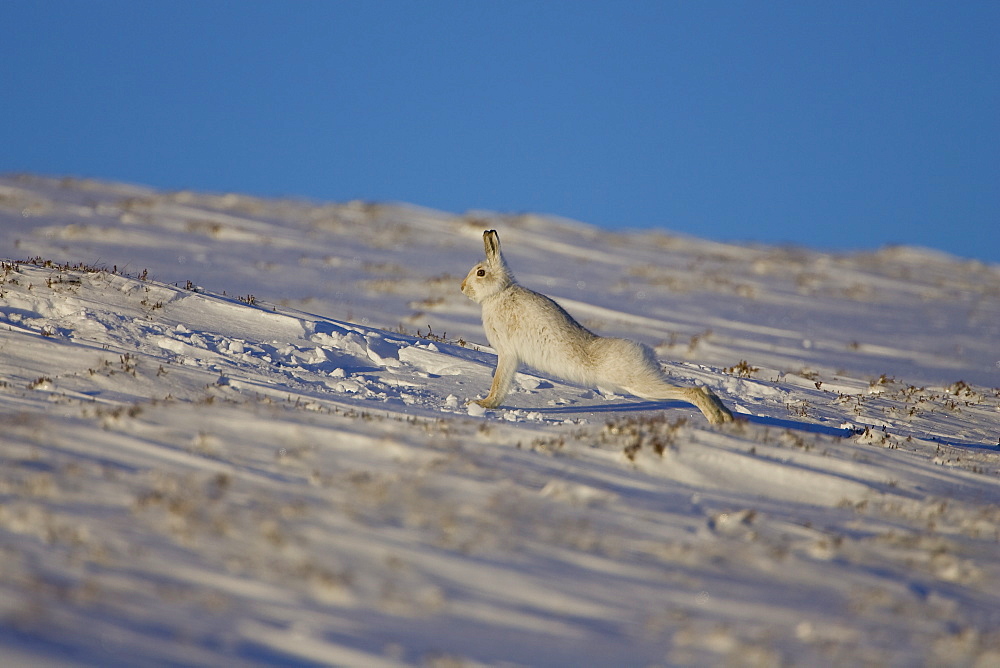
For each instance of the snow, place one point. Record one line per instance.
(236, 430)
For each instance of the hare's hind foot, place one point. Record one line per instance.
(709, 404)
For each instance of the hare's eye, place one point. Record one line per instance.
(481, 272)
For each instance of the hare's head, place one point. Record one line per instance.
(489, 276)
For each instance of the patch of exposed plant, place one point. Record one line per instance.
(742, 370)
(632, 434)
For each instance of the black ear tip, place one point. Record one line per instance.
(491, 240)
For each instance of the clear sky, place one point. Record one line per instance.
(832, 124)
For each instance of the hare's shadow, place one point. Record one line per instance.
(761, 420)
(645, 406)
(778, 423)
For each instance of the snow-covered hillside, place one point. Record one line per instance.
(235, 431)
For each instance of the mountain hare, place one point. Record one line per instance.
(526, 327)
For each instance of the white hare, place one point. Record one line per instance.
(526, 327)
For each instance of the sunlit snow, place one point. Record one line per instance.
(235, 431)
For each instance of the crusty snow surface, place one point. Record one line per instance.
(234, 431)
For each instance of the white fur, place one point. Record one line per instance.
(525, 327)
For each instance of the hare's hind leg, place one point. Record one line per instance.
(709, 404)
(701, 397)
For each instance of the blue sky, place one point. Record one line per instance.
(837, 125)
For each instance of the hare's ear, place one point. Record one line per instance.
(491, 240)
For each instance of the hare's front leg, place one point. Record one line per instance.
(502, 377)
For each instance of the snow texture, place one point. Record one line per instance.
(235, 431)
